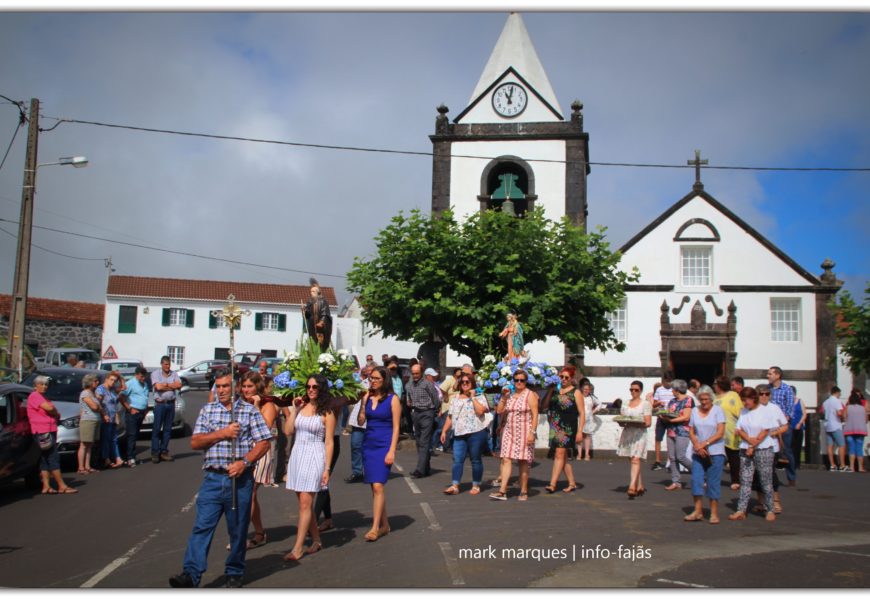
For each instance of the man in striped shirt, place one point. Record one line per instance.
(214, 432)
(783, 397)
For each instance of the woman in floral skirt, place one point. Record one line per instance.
(566, 416)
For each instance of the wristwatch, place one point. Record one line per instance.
(246, 461)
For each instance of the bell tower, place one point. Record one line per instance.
(511, 148)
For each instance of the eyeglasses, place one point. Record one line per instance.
(312, 387)
(520, 379)
(464, 382)
(634, 389)
(564, 377)
(764, 393)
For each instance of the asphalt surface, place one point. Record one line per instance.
(128, 528)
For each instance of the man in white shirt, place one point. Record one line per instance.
(778, 425)
(833, 409)
(661, 398)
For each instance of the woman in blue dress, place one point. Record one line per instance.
(381, 415)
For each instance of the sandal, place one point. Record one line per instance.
(49, 491)
(523, 496)
(82, 471)
(452, 490)
(372, 536)
(737, 516)
(693, 517)
(254, 543)
(324, 526)
(631, 492)
(498, 496)
(569, 489)
(714, 520)
(674, 486)
(777, 507)
(68, 490)
(735, 486)
(770, 517)
(475, 490)
(314, 548)
(290, 557)
(550, 489)
(641, 491)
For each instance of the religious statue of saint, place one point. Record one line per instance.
(318, 321)
(513, 331)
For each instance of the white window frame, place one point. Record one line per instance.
(618, 322)
(270, 321)
(785, 320)
(178, 317)
(175, 353)
(695, 279)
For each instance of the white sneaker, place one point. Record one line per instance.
(131, 463)
(846, 469)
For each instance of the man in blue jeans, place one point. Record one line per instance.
(357, 433)
(134, 398)
(165, 384)
(214, 433)
(783, 396)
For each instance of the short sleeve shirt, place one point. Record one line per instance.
(752, 423)
(462, 415)
(831, 406)
(676, 406)
(731, 406)
(777, 419)
(88, 413)
(215, 416)
(158, 377)
(705, 428)
(137, 393)
(109, 400)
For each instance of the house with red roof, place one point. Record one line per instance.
(56, 323)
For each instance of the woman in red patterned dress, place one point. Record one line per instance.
(518, 436)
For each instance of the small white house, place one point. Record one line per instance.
(351, 331)
(149, 317)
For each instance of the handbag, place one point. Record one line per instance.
(45, 441)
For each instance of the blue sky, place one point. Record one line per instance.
(748, 89)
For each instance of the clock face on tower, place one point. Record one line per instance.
(509, 99)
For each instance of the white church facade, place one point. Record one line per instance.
(715, 296)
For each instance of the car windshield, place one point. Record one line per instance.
(88, 356)
(62, 387)
(119, 366)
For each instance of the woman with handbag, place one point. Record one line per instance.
(43, 417)
(518, 436)
(706, 434)
(469, 417)
(567, 417)
(108, 397)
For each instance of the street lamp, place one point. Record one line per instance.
(18, 308)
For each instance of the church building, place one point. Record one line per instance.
(715, 296)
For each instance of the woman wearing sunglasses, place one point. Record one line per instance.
(518, 437)
(313, 422)
(468, 417)
(633, 439)
(566, 416)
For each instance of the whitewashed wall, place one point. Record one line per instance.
(151, 339)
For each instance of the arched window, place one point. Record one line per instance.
(507, 183)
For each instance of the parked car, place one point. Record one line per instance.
(56, 357)
(244, 361)
(19, 452)
(179, 427)
(126, 367)
(196, 375)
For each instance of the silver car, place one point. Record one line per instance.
(196, 375)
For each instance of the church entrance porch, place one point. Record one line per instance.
(703, 366)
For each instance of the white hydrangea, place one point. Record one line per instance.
(326, 358)
(536, 371)
(293, 356)
(344, 353)
(506, 370)
(489, 358)
(552, 370)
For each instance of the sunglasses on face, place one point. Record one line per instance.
(312, 387)
(764, 393)
(464, 382)
(634, 389)
(564, 377)
(519, 380)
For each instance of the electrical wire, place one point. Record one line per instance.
(176, 252)
(9, 147)
(51, 251)
(430, 154)
(22, 119)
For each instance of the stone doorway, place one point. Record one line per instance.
(698, 349)
(703, 366)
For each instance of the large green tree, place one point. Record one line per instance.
(853, 330)
(441, 279)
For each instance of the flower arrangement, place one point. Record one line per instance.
(307, 361)
(494, 376)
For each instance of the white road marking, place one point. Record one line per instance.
(452, 563)
(408, 480)
(683, 583)
(190, 504)
(839, 552)
(430, 514)
(112, 566)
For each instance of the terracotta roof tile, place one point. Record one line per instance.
(193, 289)
(45, 309)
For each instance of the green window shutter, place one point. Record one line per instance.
(189, 322)
(212, 321)
(282, 322)
(166, 317)
(127, 319)
(258, 321)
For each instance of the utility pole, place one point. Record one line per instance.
(22, 258)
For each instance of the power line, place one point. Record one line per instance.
(429, 154)
(48, 250)
(178, 252)
(22, 119)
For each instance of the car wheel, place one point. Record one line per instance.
(184, 381)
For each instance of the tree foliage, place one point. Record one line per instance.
(438, 278)
(853, 329)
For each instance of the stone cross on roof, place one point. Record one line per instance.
(697, 163)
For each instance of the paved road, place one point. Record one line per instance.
(128, 529)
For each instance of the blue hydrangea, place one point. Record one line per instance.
(282, 380)
(502, 381)
(532, 380)
(500, 365)
(293, 384)
(494, 375)
(356, 377)
(515, 361)
(488, 384)
(339, 384)
(328, 384)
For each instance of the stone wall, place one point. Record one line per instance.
(40, 336)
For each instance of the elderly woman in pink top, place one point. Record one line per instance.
(43, 417)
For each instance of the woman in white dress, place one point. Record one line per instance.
(632, 441)
(313, 423)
